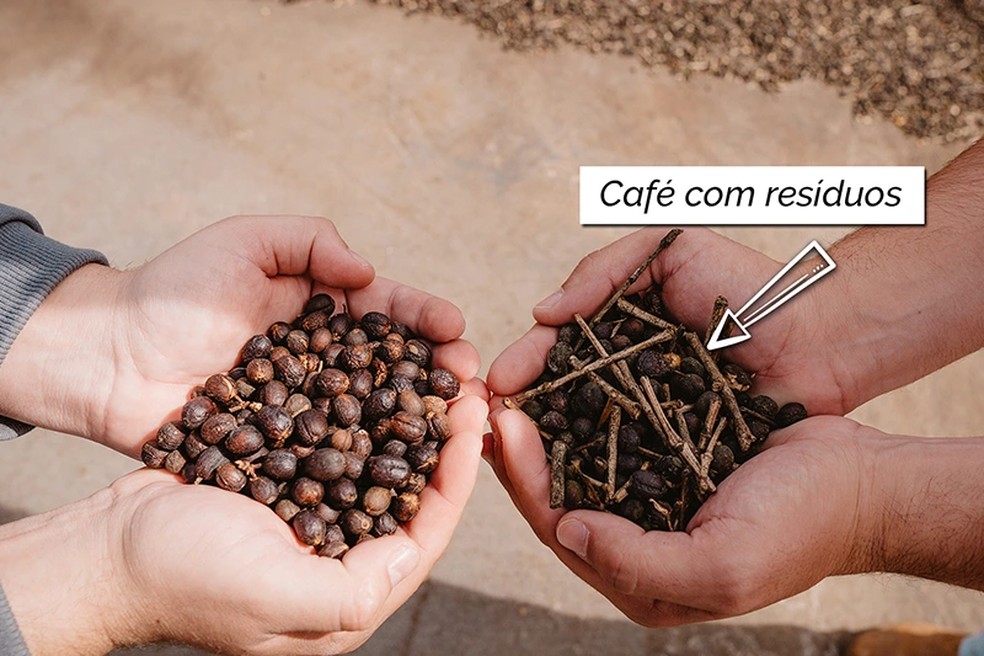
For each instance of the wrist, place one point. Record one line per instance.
(66, 589)
(927, 518)
(59, 371)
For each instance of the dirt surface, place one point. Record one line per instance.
(917, 65)
(127, 126)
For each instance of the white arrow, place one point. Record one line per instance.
(746, 317)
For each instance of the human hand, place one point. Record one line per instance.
(152, 559)
(111, 355)
(794, 353)
(795, 513)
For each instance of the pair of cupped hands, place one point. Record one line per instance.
(110, 355)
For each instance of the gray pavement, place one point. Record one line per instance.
(452, 165)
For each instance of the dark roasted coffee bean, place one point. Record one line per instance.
(341, 494)
(324, 464)
(347, 410)
(789, 414)
(422, 458)
(208, 462)
(404, 507)
(280, 464)
(443, 383)
(307, 491)
(170, 436)
(418, 352)
(409, 428)
(380, 403)
(376, 324)
(290, 371)
(332, 382)
(229, 477)
(216, 427)
(310, 427)
(389, 471)
(153, 456)
(384, 524)
(196, 411)
(258, 346)
(309, 527)
(244, 441)
(264, 490)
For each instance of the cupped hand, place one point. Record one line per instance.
(184, 315)
(215, 569)
(794, 357)
(783, 521)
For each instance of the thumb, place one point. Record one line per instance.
(324, 595)
(667, 566)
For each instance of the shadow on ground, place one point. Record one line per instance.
(447, 620)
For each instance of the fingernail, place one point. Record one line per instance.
(574, 535)
(358, 258)
(403, 563)
(551, 300)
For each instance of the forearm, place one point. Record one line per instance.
(31, 267)
(928, 504)
(57, 574)
(906, 301)
(59, 370)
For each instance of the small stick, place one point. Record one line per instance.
(674, 441)
(712, 414)
(623, 491)
(607, 410)
(550, 386)
(649, 453)
(630, 406)
(758, 415)
(745, 437)
(660, 508)
(642, 315)
(558, 454)
(663, 244)
(720, 307)
(684, 493)
(708, 456)
(614, 423)
(590, 445)
(596, 343)
(592, 482)
(684, 431)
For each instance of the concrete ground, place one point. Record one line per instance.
(127, 126)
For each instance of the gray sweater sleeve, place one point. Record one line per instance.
(11, 640)
(31, 265)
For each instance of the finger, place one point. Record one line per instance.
(459, 357)
(526, 466)
(294, 246)
(324, 594)
(474, 387)
(528, 485)
(671, 566)
(451, 484)
(599, 274)
(429, 316)
(522, 362)
(689, 284)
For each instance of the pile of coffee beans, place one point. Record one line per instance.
(638, 418)
(916, 65)
(334, 423)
